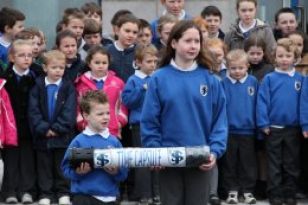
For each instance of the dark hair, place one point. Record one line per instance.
(8, 17)
(118, 14)
(255, 40)
(211, 10)
(283, 10)
(240, 1)
(92, 96)
(92, 7)
(129, 18)
(176, 33)
(64, 34)
(91, 27)
(96, 49)
(144, 24)
(72, 13)
(28, 34)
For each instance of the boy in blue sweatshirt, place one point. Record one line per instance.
(239, 166)
(304, 108)
(278, 117)
(133, 97)
(94, 186)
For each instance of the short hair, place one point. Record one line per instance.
(200, 22)
(289, 45)
(215, 43)
(92, 96)
(283, 10)
(64, 34)
(144, 24)
(167, 18)
(240, 1)
(17, 43)
(236, 55)
(91, 27)
(118, 14)
(28, 33)
(129, 18)
(72, 13)
(142, 50)
(92, 7)
(53, 54)
(211, 10)
(9, 17)
(96, 49)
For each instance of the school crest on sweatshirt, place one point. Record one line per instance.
(297, 85)
(251, 90)
(204, 90)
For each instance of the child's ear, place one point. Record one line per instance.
(116, 29)
(6, 29)
(173, 43)
(11, 58)
(44, 68)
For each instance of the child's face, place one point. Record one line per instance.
(127, 34)
(68, 46)
(238, 69)
(76, 26)
(98, 118)
(95, 17)
(165, 32)
(99, 65)
(284, 59)
(22, 58)
(187, 47)
(148, 64)
(247, 12)
(287, 23)
(213, 23)
(174, 7)
(255, 54)
(144, 36)
(218, 53)
(36, 43)
(298, 41)
(92, 39)
(54, 69)
(18, 26)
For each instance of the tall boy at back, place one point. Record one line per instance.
(94, 186)
(213, 17)
(11, 22)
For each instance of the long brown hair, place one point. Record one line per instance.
(177, 31)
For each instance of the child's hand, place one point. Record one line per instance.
(209, 165)
(84, 168)
(305, 133)
(53, 134)
(111, 170)
(49, 133)
(266, 131)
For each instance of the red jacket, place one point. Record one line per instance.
(8, 131)
(113, 87)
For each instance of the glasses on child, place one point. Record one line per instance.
(24, 55)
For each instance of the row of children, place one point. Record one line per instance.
(52, 119)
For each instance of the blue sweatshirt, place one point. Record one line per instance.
(241, 104)
(97, 182)
(278, 100)
(133, 95)
(304, 105)
(184, 108)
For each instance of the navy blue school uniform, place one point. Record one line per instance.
(278, 110)
(75, 69)
(19, 172)
(52, 107)
(122, 60)
(239, 165)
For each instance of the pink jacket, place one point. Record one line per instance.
(8, 131)
(113, 87)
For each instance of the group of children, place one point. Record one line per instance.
(243, 94)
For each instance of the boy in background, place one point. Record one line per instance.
(213, 17)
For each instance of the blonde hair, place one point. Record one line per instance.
(53, 54)
(237, 55)
(18, 43)
(289, 45)
(142, 50)
(165, 19)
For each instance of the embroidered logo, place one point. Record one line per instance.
(297, 85)
(204, 90)
(251, 90)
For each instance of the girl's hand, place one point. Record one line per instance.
(111, 170)
(84, 168)
(209, 165)
(266, 131)
(305, 133)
